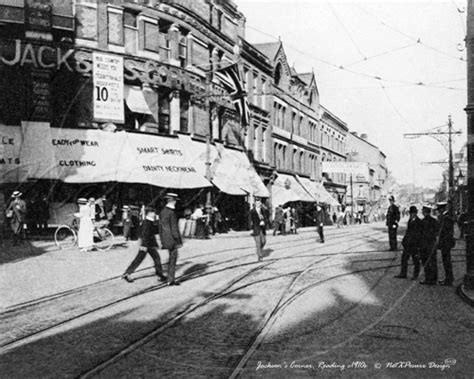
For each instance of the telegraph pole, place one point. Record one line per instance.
(469, 277)
(437, 133)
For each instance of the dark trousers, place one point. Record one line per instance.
(413, 253)
(141, 256)
(392, 237)
(321, 233)
(428, 258)
(448, 265)
(260, 241)
(172, 264)
(279, 227)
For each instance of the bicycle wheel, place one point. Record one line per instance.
(65, 237)
(103, 239)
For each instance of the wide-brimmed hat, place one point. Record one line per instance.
(16, 194)
(82, 201)
(427, 207)
(441, 204)
(171, 195)
(125, 208)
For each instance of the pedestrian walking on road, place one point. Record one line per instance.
(85, 235)
(148, 245)
(446, 240)
(169, 234)
(411, 245)
(278, 220)
(126, 222)
(16, 213)
(258, 220)
(319, 220)
(429, 236)
(393, 217)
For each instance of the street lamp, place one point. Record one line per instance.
(460, 185)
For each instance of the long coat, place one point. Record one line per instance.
(147, 234)
(18, 207)
(393, 215)
(278, 215)
(429, 232)
(413, 234)
(446, 234)
(169, 230)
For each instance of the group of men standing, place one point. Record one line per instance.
(423, 238)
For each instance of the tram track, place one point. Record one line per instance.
(61, 295)
(193, 275)
(222, 293)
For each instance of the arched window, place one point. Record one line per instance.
(278, 70)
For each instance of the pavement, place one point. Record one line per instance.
(40, 269)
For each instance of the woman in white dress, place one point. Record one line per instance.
(86, 228)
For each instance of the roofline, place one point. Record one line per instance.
(334, 117)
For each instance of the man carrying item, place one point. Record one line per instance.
(169, 234)
(429, 235)
(148, 245)
(319, 220)
(16, 212)
(446, 240)
(258, 220)
(393, 217)
(411, 245)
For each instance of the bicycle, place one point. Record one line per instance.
(65, 236)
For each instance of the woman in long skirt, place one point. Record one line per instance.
(86, 228)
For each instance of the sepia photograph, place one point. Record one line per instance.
(236, 189)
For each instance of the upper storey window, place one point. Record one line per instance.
(278, 74)
(130, 28)
(151, 36)
(115, 26)
(86, 14)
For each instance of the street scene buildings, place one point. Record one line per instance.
(180, 200)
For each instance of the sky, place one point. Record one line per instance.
(386, 68)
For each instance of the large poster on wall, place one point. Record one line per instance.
(108, 88)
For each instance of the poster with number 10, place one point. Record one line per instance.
(108, 88)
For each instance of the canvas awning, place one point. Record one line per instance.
(231, 170)
(135, 99)
(161, 161)
(286, 188)
(324, 196)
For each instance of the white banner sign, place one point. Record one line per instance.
(108, 87)
(358, 170)
(11, 168)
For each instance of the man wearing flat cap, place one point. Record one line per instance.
(170, 236)
(393, 217)
(429, 236)
(411, 245)
(446, 239)
(16, 212)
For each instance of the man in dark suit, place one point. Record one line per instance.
(319, 220)
(16, 212)
(258, 220)
(393, 217)
(429, 236)
(278, 221)
(446, 240)
(411, 245)
(169, 234)
(148, 245)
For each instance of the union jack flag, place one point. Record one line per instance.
(231, 80)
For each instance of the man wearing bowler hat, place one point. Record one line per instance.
(169, 234)
(148, 245)
(446, 239)
(16, 212)
(411, 245)
(393, 217)
(429, 236)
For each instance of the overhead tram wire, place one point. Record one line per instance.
(333, 10)
(343, 68)
(463, 22)
(393, 28)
